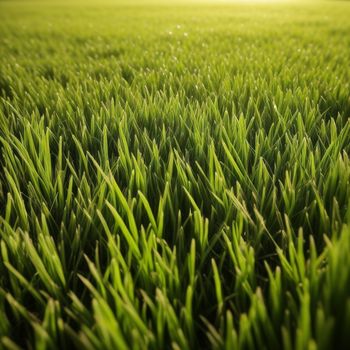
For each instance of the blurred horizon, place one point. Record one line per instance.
(165, 2)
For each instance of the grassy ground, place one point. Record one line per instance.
(174, 176)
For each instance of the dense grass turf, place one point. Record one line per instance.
(174, 176)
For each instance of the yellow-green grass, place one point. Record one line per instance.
(174, 175)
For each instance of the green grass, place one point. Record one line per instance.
(174, 176)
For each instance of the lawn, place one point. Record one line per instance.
(174, 175)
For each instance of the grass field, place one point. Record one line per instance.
(174, 175)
